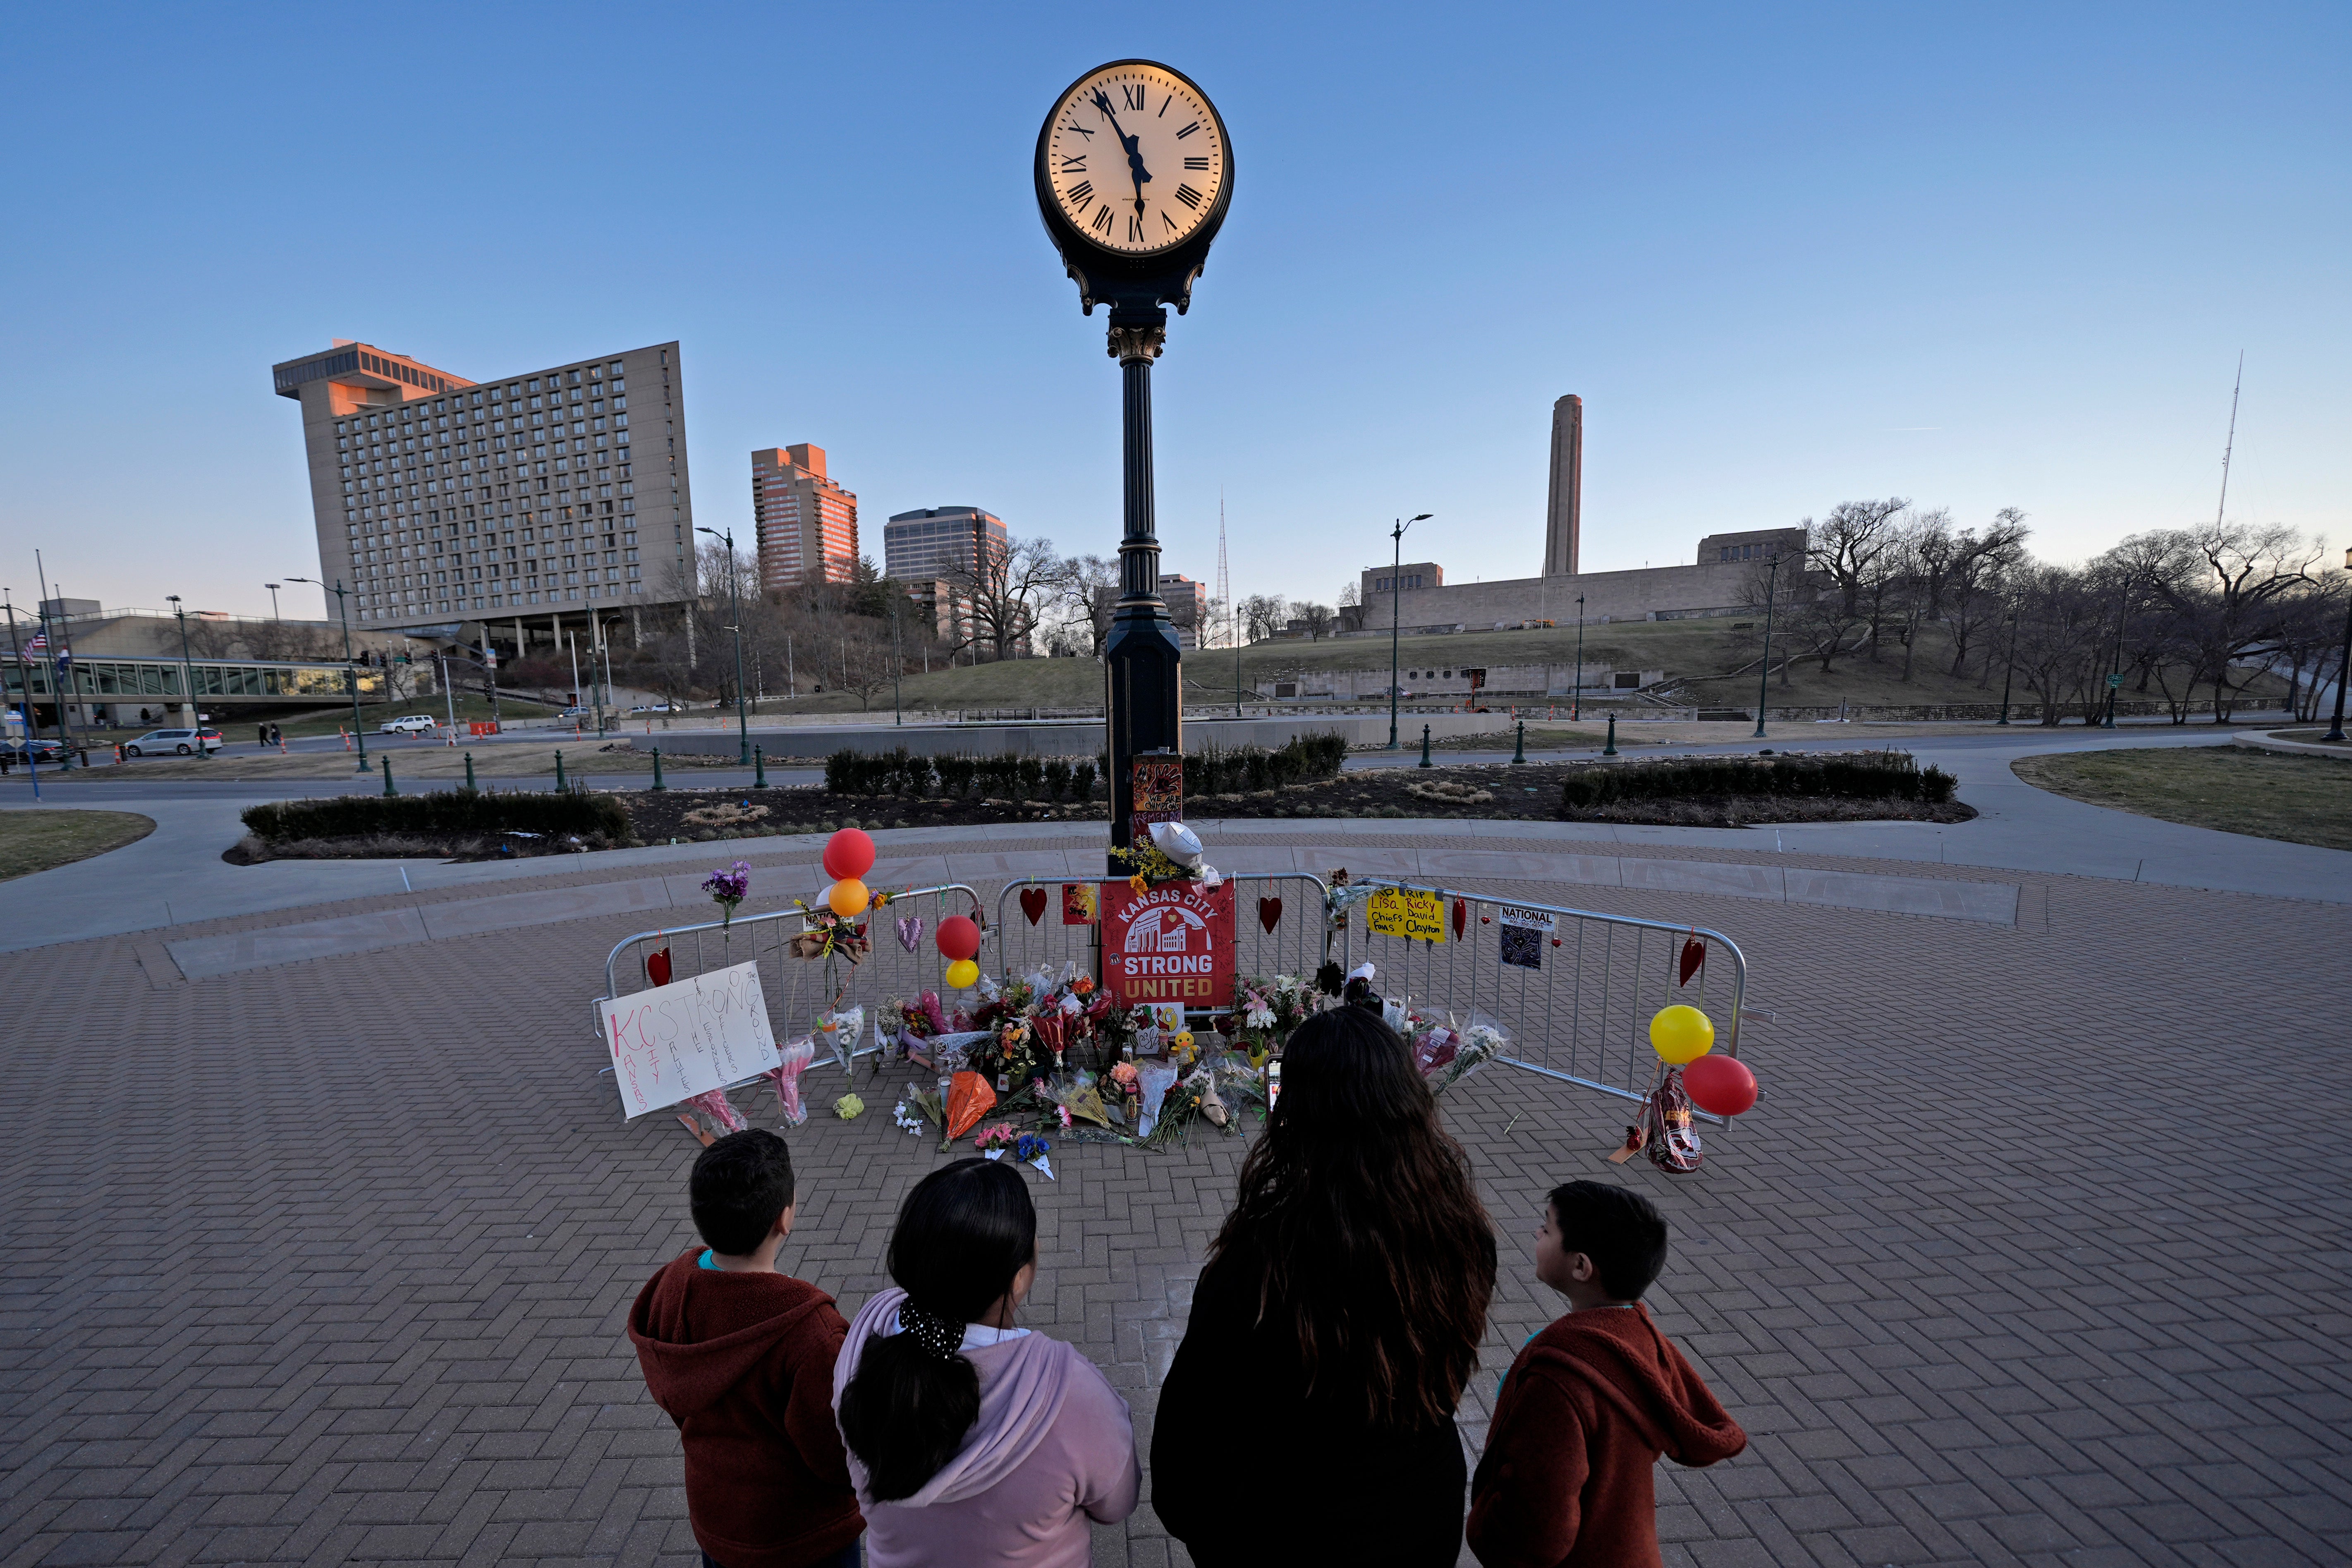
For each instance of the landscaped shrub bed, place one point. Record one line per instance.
(555, 814)
(1245, 770)
(1840, 775)
(1013, 777)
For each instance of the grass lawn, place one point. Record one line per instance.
(35, 841)
(2269, 794)
(1703, 651)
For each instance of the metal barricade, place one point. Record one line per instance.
(1574, 989)
(805, 989)
(1279, 927)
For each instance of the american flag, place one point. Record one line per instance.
(39, 644)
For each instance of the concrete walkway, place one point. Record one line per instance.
(175, 874)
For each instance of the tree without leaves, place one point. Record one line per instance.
(1316, 620)
(1009, 589)
(1263, 614)
(2233, 589)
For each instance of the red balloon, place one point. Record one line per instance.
(848, 855)
(959, 937)
(1721, 1085)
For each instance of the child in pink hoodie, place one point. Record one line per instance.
(971, 1440)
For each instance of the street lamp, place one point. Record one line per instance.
(2010, 672)
(1396, 599)
(273, 599)
(2343, 665)
(188, 672)
(1764, 680)
(1576, 698)
(351, 670)
(735, 614)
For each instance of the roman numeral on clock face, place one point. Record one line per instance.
(1131, 97)
(1080, 192)
(1135, 227)
(1189, 196)
(1170, 222)
(1102, 219)
(1188, 130)
(1196, 163)
(1077, 165)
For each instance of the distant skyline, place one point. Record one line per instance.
(1998, 256)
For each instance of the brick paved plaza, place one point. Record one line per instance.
(2036, 1253)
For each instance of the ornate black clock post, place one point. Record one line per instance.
(1134, 175)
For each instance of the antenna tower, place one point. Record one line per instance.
(1225, 577)
(2230, 445)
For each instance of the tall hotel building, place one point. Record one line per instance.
(807, 525)
(440, 499)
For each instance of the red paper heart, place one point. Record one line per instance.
(1460, 917)
(1269, 912)
(657, 966)
(1694, 959)
(1033, 903)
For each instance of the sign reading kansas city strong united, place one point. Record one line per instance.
(1171, 943)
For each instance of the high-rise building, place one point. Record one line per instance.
(1188, 606)
(940, 541)
(807, 524)
(440, 499)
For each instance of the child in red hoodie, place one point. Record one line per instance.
(1592, 1401)
(741, 1358)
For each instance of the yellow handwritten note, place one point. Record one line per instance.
(1413, 912)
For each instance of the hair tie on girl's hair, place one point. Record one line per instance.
(941, 1338)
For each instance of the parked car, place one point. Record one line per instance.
(574, 713)
(178, 742)
(407, 724)
(653, 708)
(49, 753)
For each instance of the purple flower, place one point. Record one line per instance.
(730, 884)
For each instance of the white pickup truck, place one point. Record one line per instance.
(407, 724)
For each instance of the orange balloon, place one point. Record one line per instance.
(849, 897)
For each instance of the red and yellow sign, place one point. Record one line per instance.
(1172, 944)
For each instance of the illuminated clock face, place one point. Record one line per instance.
(1135, 158)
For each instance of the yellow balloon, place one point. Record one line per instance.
(963, 973)
(849, 897)
(1680, 1034)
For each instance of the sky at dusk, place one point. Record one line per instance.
(1979, 257)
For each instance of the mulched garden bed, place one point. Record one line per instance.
(1460, 792)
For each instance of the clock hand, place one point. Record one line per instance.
(1134, 158)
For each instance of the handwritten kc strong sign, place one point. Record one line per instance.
(677, 1040)
(1172, 944)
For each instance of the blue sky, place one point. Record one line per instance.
(1982, 256)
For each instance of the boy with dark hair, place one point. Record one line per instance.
(742, 1357)
(1592, 1401)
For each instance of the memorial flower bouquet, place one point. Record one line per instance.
(1465, 1049)
(728, 887)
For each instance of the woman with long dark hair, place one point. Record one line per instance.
(971, 1440)
(1309, 1415)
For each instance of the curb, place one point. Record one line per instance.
(2269, 741)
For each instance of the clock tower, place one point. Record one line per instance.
(1134, 175)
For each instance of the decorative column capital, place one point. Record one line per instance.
(1132, 343)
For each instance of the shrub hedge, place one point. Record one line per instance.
(1853, 775)
(1012, 776)
(443, 812)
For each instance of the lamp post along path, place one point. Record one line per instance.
(1396, 598)
(351, 670)
(2343, 665)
